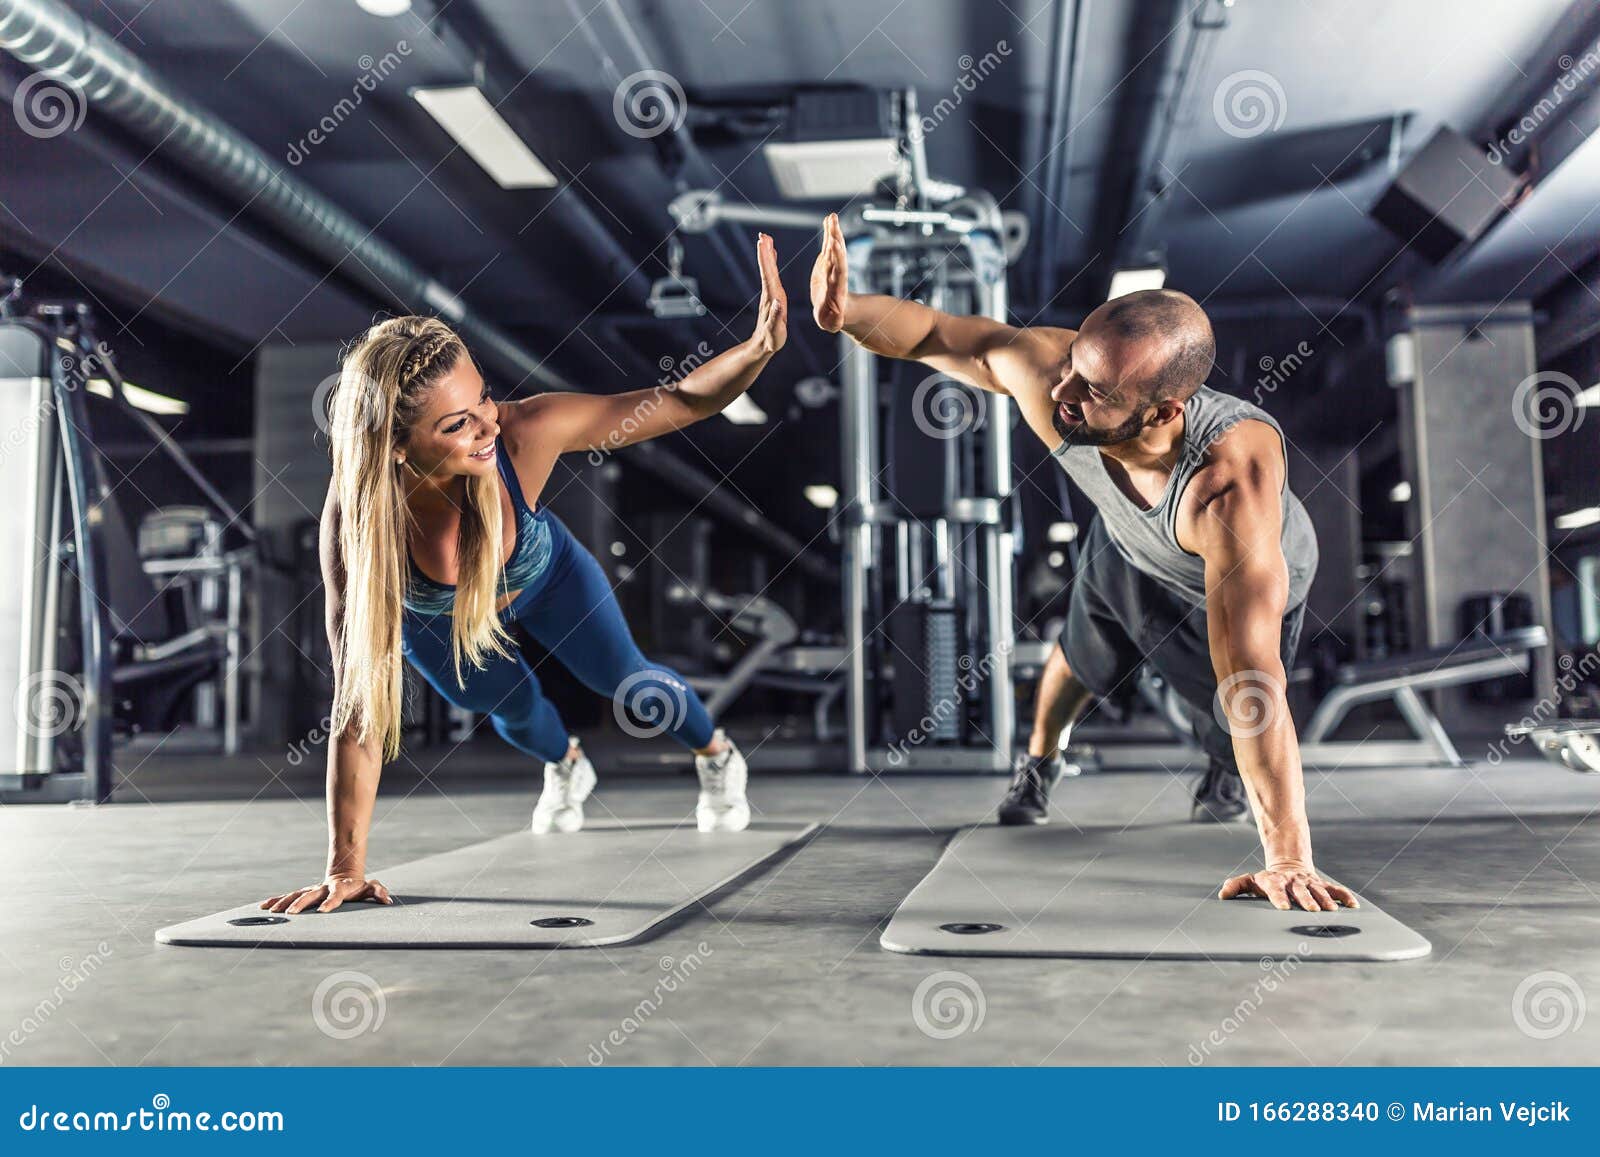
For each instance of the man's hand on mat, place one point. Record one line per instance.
(1288, 886)
(329, 894)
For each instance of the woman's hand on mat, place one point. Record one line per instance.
(329, 894)
(1289, 886)
(772, 315)
(830, 278)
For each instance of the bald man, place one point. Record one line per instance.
(1198, 562)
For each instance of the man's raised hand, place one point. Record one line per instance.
(830, 278)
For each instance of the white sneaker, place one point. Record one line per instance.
(566, 785)
(722, 806)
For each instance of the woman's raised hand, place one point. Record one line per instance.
(772, 315)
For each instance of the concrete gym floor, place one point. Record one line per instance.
(1498, 867)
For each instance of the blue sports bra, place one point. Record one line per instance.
(530, 554)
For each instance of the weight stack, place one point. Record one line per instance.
(926, 701)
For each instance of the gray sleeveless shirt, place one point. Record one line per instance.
(1148, 539)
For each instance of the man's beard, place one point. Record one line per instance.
(1082, 434)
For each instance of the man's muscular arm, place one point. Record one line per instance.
(977, 350)
(1236, 529)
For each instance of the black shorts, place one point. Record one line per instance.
(1120, 618)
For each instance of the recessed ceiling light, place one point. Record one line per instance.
(743, 411)
(822, 496)
(810, 170)
(1400, 492)
(1132, 280)
(472, 122)
(1572, 520)
(384, 7)
(139, 398)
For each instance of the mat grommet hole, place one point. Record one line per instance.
(257, 921)
(562, 922)
(1326, 931)
(966, 929)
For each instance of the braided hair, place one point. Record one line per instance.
(384, 382)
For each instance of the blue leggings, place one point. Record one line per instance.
(571, 611)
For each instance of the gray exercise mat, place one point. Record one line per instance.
(1137, 892)
(608, 884)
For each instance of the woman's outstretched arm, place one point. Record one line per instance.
(354, 767)
(576, 422)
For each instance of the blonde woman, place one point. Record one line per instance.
(434, 546)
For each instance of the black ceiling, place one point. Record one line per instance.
(1269, 228)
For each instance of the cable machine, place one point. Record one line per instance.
(88, 646)
(924, 519)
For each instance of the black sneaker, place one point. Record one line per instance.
(1220, 798)
(1028, 800)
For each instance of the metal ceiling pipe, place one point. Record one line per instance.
(1049, 198)
(50, 38)
(1161, 152)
